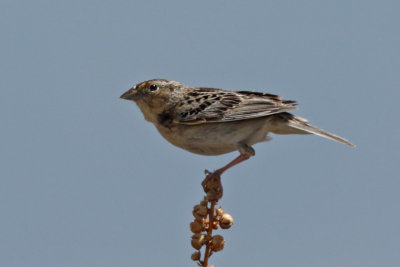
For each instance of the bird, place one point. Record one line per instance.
(211, 121)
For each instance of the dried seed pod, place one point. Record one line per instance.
(213, 189)
(196, 256)
(217, 243)
(204, 202)
(196, 226)
(214, 195)
(215, 225)
(226, 221)
(219, 211)
(198, 240)
(199, 211)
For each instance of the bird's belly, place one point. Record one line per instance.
(215, 138)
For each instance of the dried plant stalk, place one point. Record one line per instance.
(207, 219)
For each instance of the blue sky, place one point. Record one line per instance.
(85, 181)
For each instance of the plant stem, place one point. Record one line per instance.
(209, 232)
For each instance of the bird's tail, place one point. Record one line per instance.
(300, 125)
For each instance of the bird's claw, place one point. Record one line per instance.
(212, 185)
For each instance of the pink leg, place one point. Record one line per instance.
(234, 162)
(212, 183)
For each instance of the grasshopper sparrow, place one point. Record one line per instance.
(211, 121)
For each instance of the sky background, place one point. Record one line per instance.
(85, 181)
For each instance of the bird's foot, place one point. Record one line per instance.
(212, 185)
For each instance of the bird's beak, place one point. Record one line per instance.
(131, 94)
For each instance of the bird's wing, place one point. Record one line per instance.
(206, 105)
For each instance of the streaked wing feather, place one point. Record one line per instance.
(215, 105)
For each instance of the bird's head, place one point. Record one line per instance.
(153, 96)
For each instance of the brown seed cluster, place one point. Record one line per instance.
(207, 219)
(212, 186)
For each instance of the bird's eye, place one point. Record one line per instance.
(153, 87)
